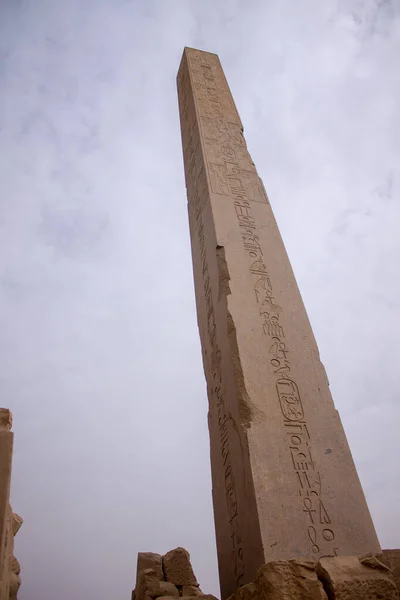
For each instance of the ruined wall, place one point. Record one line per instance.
(170, 576)
(368, 577)
(9, 522)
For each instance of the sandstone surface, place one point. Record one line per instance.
(284, 483)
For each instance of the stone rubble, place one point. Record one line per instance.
(368, 577)
(167, 577)
(392, 559)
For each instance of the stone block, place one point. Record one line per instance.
(149, 573)
(6, 536)
(15, 582)
(5, 419)
(166, 589)
(145, 582)
(16, 523)
(177, 567)
(246, 592)
(150, 560)
(357, 578)
(287, 580)
(191, 590)
(392, 558)
(203, 597)
(15, 566)
(151, 587)
(149, 565)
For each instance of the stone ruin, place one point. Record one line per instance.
(10, 522)
(12, 578)
(166, 577)
(369, 577)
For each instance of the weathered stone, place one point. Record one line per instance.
(7, 579)
(191, 590)
(203, 597)
(151, 587)
(353, 578)
(289, 580)
(15, 566)
(149, 573)
(246, 592)
(5, 419)
(149, 565)
(167, 589)
(16, 523)
(392, 558)
(177, 567)
(145, 584)
(274, 430)
(150, 560)
(15, 583)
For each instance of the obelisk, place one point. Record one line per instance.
(284, 482)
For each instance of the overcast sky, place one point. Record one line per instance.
(99, 347)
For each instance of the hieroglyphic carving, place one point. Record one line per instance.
(219, 180)
(288, 393)
(320, 536)
(222, 130)
(319, 529)
(197, 195)
(232, 173)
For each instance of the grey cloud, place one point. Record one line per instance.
(101, 362)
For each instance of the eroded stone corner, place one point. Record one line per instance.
(357, 578)
(223, 273)
(247, 411)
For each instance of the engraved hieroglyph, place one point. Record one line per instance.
(284, 482)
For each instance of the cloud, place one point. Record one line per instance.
(101, 362)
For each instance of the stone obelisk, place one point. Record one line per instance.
(284, 482)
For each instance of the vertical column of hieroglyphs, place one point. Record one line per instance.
(228, 528)
(232, 173)
(289, 482)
